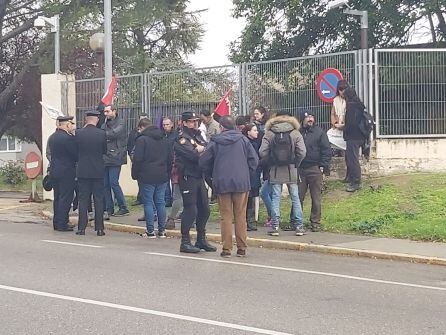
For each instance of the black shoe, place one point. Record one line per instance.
(80, 232)
(241, 253)
(137, 203)
(100, 232)
(65, 229)
(315, 227)
(225, 254)
(187, 247)
(71, 226)
(122, 212)
(203, 244)
(251, 227)
(353, 187)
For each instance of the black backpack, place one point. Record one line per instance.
(366, 123)
(282, 152)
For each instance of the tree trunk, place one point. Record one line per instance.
(432, 26)
(441, 23)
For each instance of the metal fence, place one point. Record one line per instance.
(410, 88)
(404, 89)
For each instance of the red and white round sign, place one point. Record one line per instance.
(33, 165)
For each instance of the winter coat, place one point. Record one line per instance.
(116, 135)
(212, 129)
(353, 116)
(255, 175)
(283, 174)
(318, 148)
(228, 160)
(152, 158)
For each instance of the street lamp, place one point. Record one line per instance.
(107, 42)
(361, 13)
(53, 22)
(97, 45)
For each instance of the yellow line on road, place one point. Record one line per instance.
(11, 207)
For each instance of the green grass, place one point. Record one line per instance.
(25, 186)
(411, 206)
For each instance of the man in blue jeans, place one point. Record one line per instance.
(152, 160)
(116, 156)
(284, 147)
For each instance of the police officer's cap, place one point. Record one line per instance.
(64, 118)
(92, 113)
(189, 115)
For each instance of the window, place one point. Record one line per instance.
(10, 144)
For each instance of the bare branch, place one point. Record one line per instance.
(24, 27)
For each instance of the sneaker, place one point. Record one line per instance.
(150, 234)
(241, 253)
(122, 212)
(162, 234)
(274, 231)
(315, 227)
(300, 230)
(225, 254)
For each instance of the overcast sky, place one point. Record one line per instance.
(220, 29)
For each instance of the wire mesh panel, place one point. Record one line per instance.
(290, 84)
(173, 92)
(410, 90)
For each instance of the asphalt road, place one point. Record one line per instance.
(125, 284)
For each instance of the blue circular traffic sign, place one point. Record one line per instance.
(326, 84)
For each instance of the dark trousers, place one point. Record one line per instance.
(76, 199)
(63, 197)
(196, 205)
(251, 211)
(88, 187)
(311, 178)
(352, 161)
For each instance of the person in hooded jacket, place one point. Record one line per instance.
(316, 162)
(284, 171)
(152, 160)
(229, 160)
(251, 132)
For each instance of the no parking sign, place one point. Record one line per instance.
(326, 84)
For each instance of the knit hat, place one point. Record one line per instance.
(303, 114)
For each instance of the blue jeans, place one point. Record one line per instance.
(296, 214)
(265, 194)
(153, 196)
(168, 195)
(111, 182)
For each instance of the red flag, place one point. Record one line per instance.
(223, 107)
(107, 99)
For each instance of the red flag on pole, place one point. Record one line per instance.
(107, 99)
(223, 108)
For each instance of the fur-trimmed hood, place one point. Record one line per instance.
(282, 123)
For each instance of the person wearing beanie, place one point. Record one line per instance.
(316, 162)
(229, 160)
(284, 148)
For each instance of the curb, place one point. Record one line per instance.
(286, 245)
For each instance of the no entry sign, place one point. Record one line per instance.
(33, 165)
(326, 84)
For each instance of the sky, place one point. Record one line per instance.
(220, 29)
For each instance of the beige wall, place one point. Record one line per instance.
(52, 96)
(128, 185)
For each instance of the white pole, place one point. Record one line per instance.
(108, 43)
(56, 44)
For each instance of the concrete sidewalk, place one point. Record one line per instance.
(324, 242)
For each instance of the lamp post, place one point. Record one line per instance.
(53, 22)
(364, 25)
(97, 45)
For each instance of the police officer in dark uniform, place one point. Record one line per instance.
(188, 148)
(91, 144)
(63, 171)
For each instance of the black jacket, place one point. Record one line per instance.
(353, 115)
(152, 157)
(91, 146)
(229, 160)
(318, 148)
(63, 150)
(116, 135)
(131, 142)
(186, 157)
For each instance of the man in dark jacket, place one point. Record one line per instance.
(228, 160)
(91, 146)
(188, 148)
(316, 162)
(116, 156)
(63, 171)
(152, 159)
(171, 136)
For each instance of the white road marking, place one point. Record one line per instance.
(327, 274)
(76, 244)
(144, 311)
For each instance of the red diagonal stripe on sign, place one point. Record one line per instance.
(329, 85)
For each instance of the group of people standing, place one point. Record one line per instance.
(239, 159)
